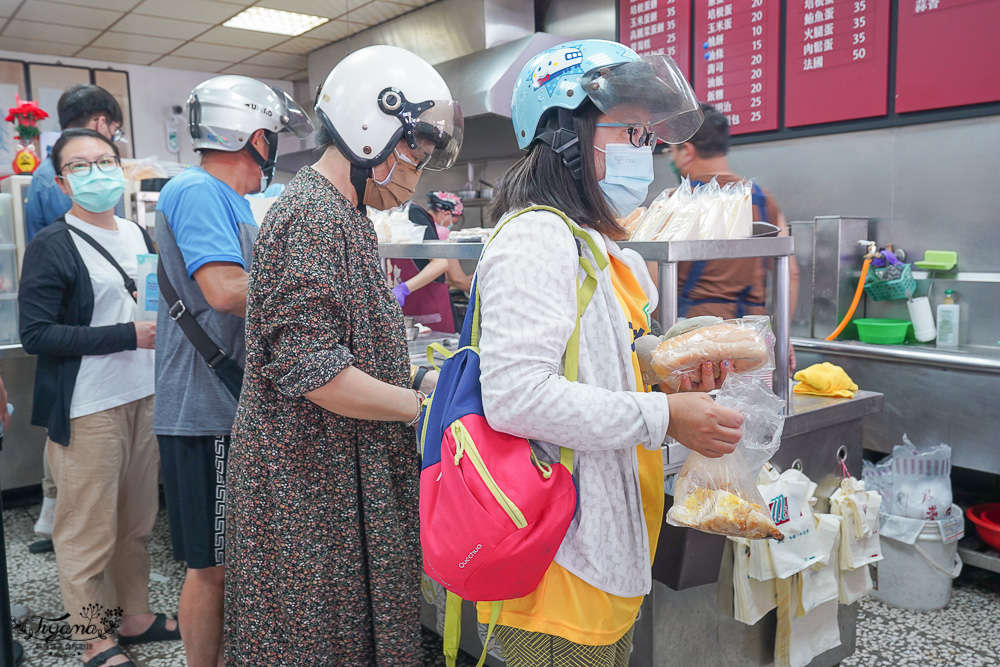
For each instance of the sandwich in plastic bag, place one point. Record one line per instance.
(748, 343)
(720, 495)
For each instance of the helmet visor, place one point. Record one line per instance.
(436, 135)
(293, 117)
(650, 92)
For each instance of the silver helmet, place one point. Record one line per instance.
(225, 110)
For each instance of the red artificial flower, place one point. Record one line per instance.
(26, 112)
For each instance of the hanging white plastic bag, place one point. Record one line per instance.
(818, 583)
(854, 584)
(788, 501)
(859, 529)
(752, 599)
(799, 639)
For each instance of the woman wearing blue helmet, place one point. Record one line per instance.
(588, 112)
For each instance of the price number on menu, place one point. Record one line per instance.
(858, 37)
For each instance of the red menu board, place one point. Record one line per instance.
(657, 26)
(736, 60)
(947, 53)
(836, 60)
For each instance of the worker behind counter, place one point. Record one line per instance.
(422, 286)
(732, 287)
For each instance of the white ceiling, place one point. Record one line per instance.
(184, 34)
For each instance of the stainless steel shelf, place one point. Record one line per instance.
(979, 360)
(695, 251)
(430, 250)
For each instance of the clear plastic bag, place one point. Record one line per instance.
(720, 495)
(687, 213)
(914, 483)
(748, 343)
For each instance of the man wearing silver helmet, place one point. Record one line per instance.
(205, 232)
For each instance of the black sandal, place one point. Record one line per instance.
(157, 632)
(101, 658)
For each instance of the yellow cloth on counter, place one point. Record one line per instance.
(825, 379)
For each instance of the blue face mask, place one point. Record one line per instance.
(628, 173)
(97, 191)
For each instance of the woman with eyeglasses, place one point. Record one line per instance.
(94, 393)
(588, 113)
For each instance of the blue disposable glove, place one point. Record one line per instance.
(401, 291)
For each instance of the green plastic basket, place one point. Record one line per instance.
(880, 289)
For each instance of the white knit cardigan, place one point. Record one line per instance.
(528, 279)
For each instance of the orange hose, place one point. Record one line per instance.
(857, 300)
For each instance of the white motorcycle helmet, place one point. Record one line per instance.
(225, 111)
(379, 94)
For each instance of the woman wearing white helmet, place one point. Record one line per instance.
(323, 553)
(588, 113)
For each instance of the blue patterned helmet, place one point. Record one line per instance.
(648, 90)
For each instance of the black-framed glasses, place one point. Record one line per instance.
(638, 135)
(106, 164)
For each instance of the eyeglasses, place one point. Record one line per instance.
(638, 135)
(106, 164)
(118, 135)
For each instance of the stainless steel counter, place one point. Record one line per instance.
(695, 626)
(932, 395)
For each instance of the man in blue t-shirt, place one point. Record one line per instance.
(205, 232)
(80, 106)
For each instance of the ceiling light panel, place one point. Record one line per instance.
(275, 21)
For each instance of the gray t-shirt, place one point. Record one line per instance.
(199, 219)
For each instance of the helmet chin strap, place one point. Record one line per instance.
(359, 179)
(266, 165)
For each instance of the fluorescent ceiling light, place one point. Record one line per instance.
(274, 21)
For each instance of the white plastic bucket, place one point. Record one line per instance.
(918, 576)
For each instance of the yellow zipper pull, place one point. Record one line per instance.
(459, 443)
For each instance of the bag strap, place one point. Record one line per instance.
(453, 628)
(126, 278)
(228, 371)
(584, 294)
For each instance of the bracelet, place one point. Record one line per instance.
(421, 397)
(418, 377)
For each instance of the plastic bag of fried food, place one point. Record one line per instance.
(718, 496)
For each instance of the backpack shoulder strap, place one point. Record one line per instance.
(584, 294)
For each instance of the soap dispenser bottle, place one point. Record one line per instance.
(947, 321)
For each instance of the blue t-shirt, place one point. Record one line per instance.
(199, 219)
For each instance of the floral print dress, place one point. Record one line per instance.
(323, 551)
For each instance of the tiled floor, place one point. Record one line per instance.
(965, 634)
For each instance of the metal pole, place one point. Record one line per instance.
(667, 310)
(782, 320)
(6, 633)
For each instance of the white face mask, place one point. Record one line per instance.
(628, 171)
